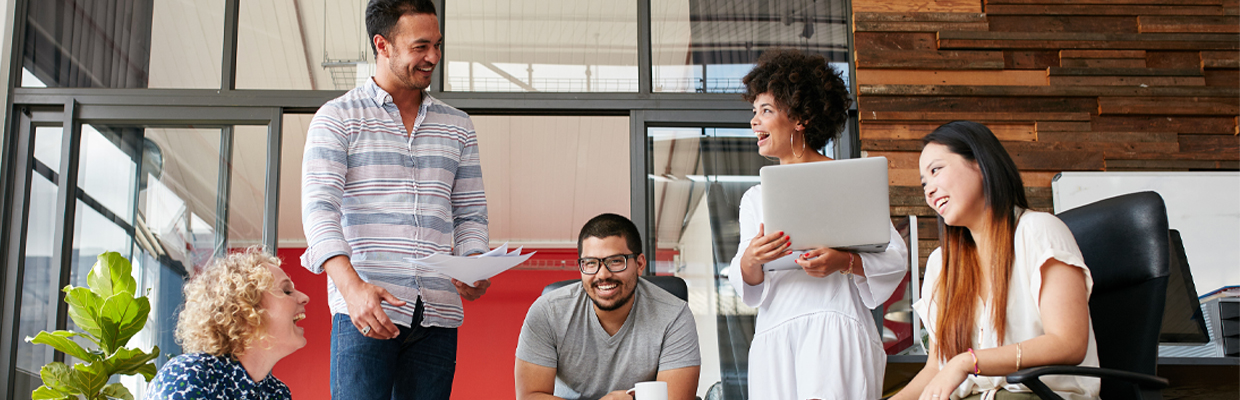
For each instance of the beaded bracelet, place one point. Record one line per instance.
(850, 265)
(976, 371)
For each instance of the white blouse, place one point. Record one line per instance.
(815, 337)
(1039, 238)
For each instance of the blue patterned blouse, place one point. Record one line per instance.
(204, 376)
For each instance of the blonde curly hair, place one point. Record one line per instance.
(221, 315)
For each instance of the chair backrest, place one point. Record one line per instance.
(1125, 243)
(671, 284)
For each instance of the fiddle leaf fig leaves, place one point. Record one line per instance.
(109, 314)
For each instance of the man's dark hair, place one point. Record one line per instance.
(382, 15)
(608, 225)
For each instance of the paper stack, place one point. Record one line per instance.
(474, 268)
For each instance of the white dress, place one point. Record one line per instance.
(816, 337)
(1039, 238)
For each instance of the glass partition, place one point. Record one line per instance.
(39, 284)
(151, 194)
(707, 46)
(546, 176)
(696, 179)
(124, 43)
(540, 46)
(247, 180)
(303, 45)
(292, 144)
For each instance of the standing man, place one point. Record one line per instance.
(597, 339)
(391, 174)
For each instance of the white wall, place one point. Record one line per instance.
(1204, 206)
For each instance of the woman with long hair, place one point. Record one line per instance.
(239, 319)
(815, 336)
(1007, 289)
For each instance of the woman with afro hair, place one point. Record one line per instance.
(815, 335)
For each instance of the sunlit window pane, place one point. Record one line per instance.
(124, 43)
(709, 45)
(302, 45)
(541, 46)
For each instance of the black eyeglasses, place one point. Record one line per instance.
(616, 263)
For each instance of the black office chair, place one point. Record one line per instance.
(671, 284)
(1125, 243)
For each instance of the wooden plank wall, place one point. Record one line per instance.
(1066, 85)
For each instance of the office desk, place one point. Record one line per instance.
(1191, 377)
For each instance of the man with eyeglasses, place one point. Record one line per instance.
(597, 339)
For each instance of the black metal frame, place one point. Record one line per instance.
(223, 189)
(227, 106)
(66, 208)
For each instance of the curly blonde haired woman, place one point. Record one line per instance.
(239, 319)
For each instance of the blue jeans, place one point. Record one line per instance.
(418, 364)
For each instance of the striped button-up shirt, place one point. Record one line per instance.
(380, 196)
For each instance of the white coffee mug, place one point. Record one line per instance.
(653, 390)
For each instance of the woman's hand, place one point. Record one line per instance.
(762, 249)
(949, 378)
(824, 261)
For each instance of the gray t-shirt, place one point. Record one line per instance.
(562, 331)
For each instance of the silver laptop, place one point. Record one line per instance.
(840, 204)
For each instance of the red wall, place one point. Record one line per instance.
(485, 347)
(307, 371)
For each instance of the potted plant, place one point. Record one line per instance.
(109, 314)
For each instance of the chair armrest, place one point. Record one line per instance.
(1030, 377)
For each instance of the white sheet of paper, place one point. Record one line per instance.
(498, 251)
(475, 268)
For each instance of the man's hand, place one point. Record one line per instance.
(472, 293)
(617, 395)
(363, 300)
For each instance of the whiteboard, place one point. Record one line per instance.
(1203, 206)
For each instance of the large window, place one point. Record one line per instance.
(124, 43)
(303, 45)
(541, 46)
(708, 46)
(159, 196)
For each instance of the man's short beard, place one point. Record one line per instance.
(406, 77)
(615, 306)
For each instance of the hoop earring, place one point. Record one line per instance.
(790, 141)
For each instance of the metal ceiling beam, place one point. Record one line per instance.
(508, 76)
(300, 101)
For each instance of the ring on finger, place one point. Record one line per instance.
(366, 331)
